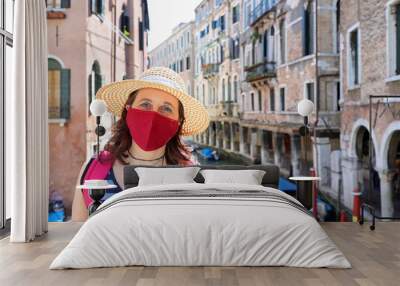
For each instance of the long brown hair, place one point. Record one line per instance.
(121, 141)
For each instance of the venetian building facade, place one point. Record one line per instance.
(370, 64)
(90, 43)
(177, 53)
(276, 69)
(218, 70)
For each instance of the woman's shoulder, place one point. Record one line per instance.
(97, 164)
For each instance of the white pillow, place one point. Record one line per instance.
(249, 177)
(162, 176)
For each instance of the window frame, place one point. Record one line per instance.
(235, 14)
(260, 101)
(283, 38)
(391, 45)
(64, 93)
(64, 4)
(308, 36)
(306, 94)
(272, 99)
(282, 107)
(350, 81)
(6, 40)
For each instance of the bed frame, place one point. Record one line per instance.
(270, 179)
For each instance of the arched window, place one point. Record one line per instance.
(214, 100)
(59, 87)
(95, 82)
(204, 94)
(235, 88)
(229, 89)
(223, 89)
(271, 47)
(265, 44)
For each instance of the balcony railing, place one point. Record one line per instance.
(265, 69)
(262, 9)
(210, 70)
(229, 108)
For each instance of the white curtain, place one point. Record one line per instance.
(27, 124)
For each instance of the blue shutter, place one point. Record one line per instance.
(65, 3)
(65, 93)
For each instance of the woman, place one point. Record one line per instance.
(154, 112)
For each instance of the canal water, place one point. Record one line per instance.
(327, 211)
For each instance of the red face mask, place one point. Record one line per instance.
(149, 129)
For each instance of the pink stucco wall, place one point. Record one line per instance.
(77, 41)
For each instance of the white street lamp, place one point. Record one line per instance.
(305, 107)
(98, 108)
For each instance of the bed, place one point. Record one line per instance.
(201, 224)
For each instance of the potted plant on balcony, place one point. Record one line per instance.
(255, 36)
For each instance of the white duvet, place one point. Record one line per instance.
(202, 231)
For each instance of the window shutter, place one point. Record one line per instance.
(272, 99)
(265, 44)
(398, 39)
(93, 7)
(65, 3)
(188, 63)
(140, 35)
(310, 23)
(231, 49)
(304, 32)
(98, 81)
(282, 96)
(222, 24)
(103, 4)
(90, 89)
(356, 59)
(65, 93)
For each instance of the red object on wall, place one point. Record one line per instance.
(356, 205)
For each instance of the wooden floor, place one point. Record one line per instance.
(374, 255)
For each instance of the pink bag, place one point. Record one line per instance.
(97, 171)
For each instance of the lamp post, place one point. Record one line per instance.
(98, 108)
(305, 107)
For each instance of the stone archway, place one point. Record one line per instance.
(369, 183)
(393, 174)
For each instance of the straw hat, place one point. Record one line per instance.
(162, 78)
